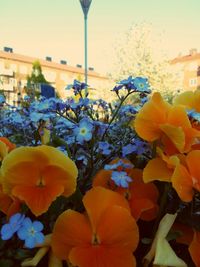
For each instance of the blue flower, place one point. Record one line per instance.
(121, 178)
(77, 86)
(14, 224)
(138, 147)
(141, 85)
(31, 233)
(104, 148)
(115, 166)
(83, 131)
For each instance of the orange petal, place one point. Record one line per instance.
(192, 161)
(157, 169)
(138, 189)
(182, 183)
(178, 117)
(71, 229)
(10, 145)
(38, 199)
(23, 154)
(175, 134)
(55, 175)
(185, 99)
(3, 150)
(5, 201)
(151, 115)
(194, 249)
(140, 205)
(98, 199)
(102, 178)
(124, 233)
(102, 257)
(59, 159)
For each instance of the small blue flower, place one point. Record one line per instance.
(138, 147)
(83, 131)
(31, 233)
(14, 224)
(141, 84)
(77, 87)
(104, 148)
(115, 166)
(121, 178)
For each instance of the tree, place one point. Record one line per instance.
(139, 53)
(35, 79)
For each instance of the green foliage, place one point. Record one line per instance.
(34, 80)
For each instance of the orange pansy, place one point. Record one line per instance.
(142, 198)
(157, 120)
(186, 177)
(96, 239)
(5, 147)
(38, 175)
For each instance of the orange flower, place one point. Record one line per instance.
(186, 177)
(157, 120)
(142, 197)
(106, 236)
(37, 176)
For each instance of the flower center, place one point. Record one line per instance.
(40, 182)
(83, 131)
(95, 241)
(31, 231)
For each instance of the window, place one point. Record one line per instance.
(193, 82)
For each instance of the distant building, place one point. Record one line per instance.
(14, 69)
(190, 66)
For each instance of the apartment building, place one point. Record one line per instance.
(14, 69)
(190, 67)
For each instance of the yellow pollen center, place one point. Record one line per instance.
(83, 131)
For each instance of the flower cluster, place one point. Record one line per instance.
(89, 183)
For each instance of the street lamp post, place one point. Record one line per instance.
(85, 4)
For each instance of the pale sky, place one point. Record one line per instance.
(41, 28)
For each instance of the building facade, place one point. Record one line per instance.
(14, 69)
(190, 67)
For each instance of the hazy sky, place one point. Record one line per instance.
(54, 28)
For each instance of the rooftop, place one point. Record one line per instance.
(50, 64)
(193, 55)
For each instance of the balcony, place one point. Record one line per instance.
(6, 72)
